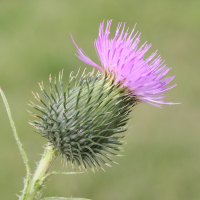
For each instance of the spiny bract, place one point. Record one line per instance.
(82, 120)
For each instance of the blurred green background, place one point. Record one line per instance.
(162, 155)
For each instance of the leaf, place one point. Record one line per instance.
(63, 198)
(67, 173)
(58, 172)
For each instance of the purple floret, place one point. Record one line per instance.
(122, 57)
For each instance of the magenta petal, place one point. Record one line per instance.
(122, 57)
(81, 55)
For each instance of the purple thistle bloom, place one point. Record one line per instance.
(122, 58)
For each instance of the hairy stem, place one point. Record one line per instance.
(44, 165)
(23, 153)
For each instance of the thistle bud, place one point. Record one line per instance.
(85, 121)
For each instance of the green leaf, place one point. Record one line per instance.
(67, 173)
(58, 172)
(63, 198)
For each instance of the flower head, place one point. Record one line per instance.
(77, 120)
(122, 58)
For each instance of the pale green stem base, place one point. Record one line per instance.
(44, 165)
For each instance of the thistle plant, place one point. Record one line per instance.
(85, 120)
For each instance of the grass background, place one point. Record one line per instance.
(162, 157)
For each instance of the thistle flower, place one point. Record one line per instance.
(81, 122)
(122, 58)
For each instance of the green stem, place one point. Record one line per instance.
(23, 153)
(44, 165)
